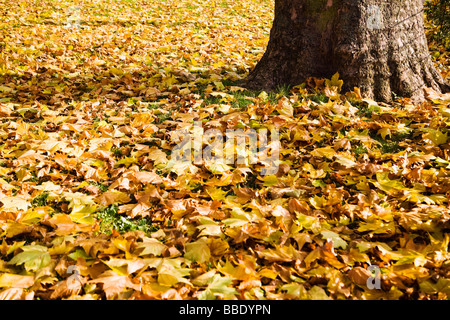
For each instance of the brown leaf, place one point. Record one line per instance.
(68, 287)
(16, 281)
(12, 294)
(110, 197)
(359, 275)
(244, 195)
(5, 110)
(146, 177)
(295, 205)
(113, 284)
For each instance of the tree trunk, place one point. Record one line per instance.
(377, 46)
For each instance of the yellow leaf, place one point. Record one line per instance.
(110, 197)
(221, 285)
(177, 207)
(114, 283)
(151, 246)
(346, 160)
(125, 267)
(14, 204)
(335, 82)
(295, 290)
(318, 202)
(184, 91)
(209, 227)
(198, 251)
(6, 89)
(217, 246)
(267, 273)
(116, 71)
(170, 272)
(157, 155)
(333, 236)
(83, 214)
(32, 257)
(33, 216)
(263, 95)
(238, 272)
(122, 244)
(269, 180)
(167, 279)
(147, 177)
(317, 293)
(327, 152)
(217, 167)
(15, 281)
(285, 107)
(219, 85)
(280, 253)
(312, 172)
(436, 137)
(216, 193)
(383, 132)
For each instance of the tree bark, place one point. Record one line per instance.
(377, 46)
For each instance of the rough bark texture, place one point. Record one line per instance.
(378, 46)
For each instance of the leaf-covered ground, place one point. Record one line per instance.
(93, 208)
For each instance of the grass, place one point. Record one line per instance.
(241, 99)
(40, 200)
(392, 144)
(99, 185)
(359, 150)
(111, 219)
(319, 98)
(364, 110)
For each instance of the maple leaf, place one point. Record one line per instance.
(217, 167)
(347, 161)
(198, 251)
(442, 285)
(177, 207)
(66, 288)
(32, 257)
(295, 291)
(281, 253)
(16, 294)
(318, 293)
(170, 272)
(14, 203)
(327, 152)
(150, 246)
(147, 177)
(110, 197)
(216, 193)
(338, 242)
(436, 137)
(15, 281)
(125, 267)
(113, 283)
(64, 225)
(220, 285)
(334, 82)
(209, 227)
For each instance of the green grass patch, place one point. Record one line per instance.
(359, 150)
(392, 144)
(40, 200)
(111, 219)
(319, 98)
